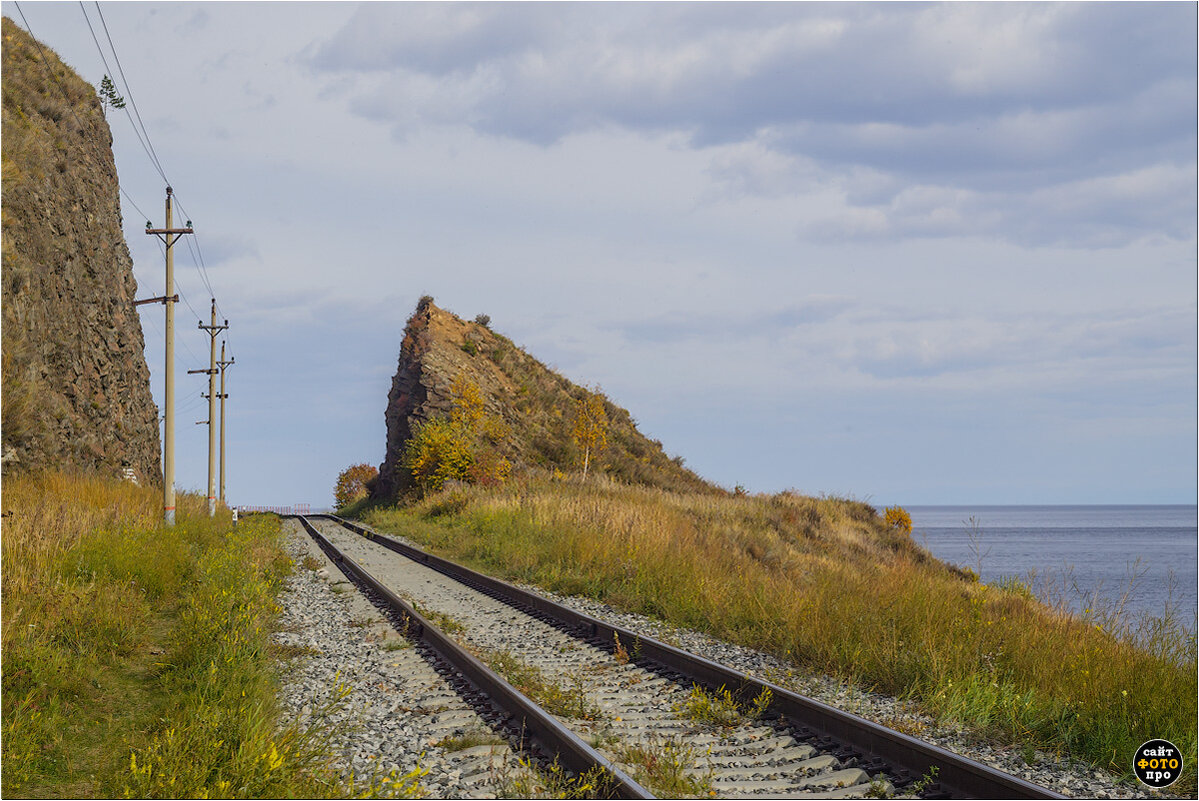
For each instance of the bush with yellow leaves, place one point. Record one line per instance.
(898, 519)
(462, 447)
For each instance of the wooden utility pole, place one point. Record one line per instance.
(169, 235)
(223, 364)
(212, 330)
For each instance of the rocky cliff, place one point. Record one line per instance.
(536, 405)
(76, 389)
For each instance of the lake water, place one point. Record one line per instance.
(1092, 548)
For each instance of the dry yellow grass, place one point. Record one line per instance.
(48, 514)
(827, 583)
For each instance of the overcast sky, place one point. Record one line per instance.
(914, 254)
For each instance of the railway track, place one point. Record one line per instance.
(406, 701)
(652, 720)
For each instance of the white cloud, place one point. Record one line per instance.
(989, 50)
(938, 121)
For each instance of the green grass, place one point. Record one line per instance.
(567, 701)
(470, 739)
(446, 622)
(667, 768)
(137, 659)
(823, 583)
(720, 709)
(528, 780)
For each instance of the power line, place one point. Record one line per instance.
(146, 147)
(190, 352)
(129, 91)
(186, 302)
(161, 250)
(46, 65)
(197, 260)
(54, 80)
(182, 294)
(143, 136)
(71, 107)
(132, 203)
(194, 403)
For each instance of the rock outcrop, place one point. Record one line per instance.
(76, 388)
(536, 404)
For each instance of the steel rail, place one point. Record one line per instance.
(535, 723)
(904, 758)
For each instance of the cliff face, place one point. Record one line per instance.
(536, 405)
(76, 389)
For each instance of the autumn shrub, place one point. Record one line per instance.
(467, 403)
(464, 447)
(898, 519)
(439, 451)
(352, 484)
(490, 468)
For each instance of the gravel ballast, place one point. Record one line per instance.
(397, 709)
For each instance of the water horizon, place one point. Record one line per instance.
(1142, 557)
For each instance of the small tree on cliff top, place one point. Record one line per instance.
(590, 428)
(109, 96)
(351, 484)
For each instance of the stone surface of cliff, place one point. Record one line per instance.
(536, 404)
(76, 388)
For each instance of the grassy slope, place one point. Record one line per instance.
(137, 659)
(823, 583)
